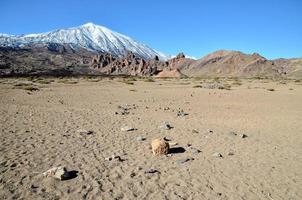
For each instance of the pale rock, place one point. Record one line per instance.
(127, 128)
(160, 147)
(57, 172)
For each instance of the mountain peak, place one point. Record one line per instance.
(89, 36)
(89, 24)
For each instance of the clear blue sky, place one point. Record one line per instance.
(272, 28)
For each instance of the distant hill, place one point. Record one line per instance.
(237, 64)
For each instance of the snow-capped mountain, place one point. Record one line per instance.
(89, 36)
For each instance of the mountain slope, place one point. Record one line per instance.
(234, 63)
(89, 36)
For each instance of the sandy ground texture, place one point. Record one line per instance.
(40, 129)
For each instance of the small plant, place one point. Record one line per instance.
(127, 81)
(184, 83)
(26, 86)
(44, 81)
(67, 81)
(31, 88)
(237, 82)
(225, 87)
(22, 84)
(93, 80)
(216, 79)
(149, 80)
(131, 79)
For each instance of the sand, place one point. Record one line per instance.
(41, 130)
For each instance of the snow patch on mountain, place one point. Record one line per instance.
(89, 36)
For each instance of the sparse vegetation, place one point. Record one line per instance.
(131, 79)
(22, 84)
(237, 82)
(93, 79)
(184, 83)
(44, 81)
(31, 88)
(68, 81)
(127, 81)
(216, 79)
(26, 86)
(149, 80)
(225, 87)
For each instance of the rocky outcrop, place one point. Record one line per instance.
(174, 73)
(130, 64)
(180, 62)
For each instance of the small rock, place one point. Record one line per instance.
(57, 172)
(194, 150)
(132, 174)
(165, 126)
(194, 131)
(113, 158)
(217, 155)
(160, 147)
(242, 135)
(127, 128)
(182, 161)
(231, 153)
(13, 165)
(151, 171)
(85, 132)
(210, 131)
(140, 138)
(181, 113)
(232, 134)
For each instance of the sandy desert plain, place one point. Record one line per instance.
(243, 141)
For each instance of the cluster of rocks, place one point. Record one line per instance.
(125, 110)
(174, 61)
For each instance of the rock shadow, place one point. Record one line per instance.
(175, 150)
(70, 175)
